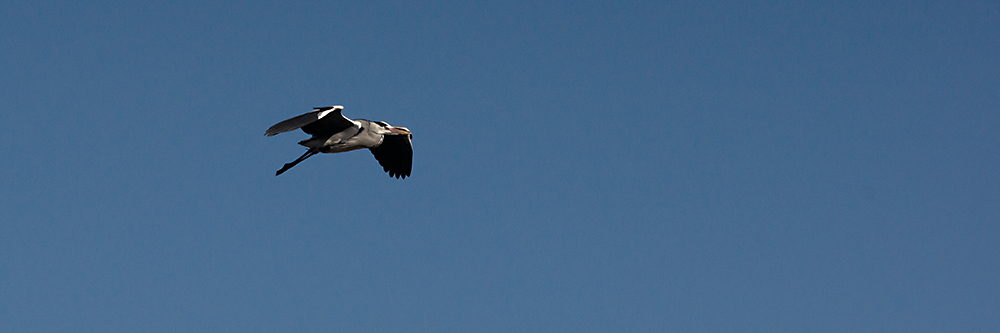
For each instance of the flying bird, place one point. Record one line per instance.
(333, 133)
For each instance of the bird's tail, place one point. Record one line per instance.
(289, 165)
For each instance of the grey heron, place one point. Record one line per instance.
(333, 133)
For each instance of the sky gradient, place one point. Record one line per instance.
(690, 166)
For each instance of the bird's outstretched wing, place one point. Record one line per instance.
(323, 120)
(395, 155)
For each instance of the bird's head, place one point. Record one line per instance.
(385, 128)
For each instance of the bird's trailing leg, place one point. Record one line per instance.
(289, 165)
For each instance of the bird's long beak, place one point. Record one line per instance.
(400, 130)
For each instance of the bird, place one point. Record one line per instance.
(333, 133)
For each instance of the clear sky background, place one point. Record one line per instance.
(579, 166)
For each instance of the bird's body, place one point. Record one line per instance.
(333, 133)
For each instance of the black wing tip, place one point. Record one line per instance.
(395, 155)
(393, 173)
(322, 108)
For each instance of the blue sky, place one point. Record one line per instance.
(578, 166)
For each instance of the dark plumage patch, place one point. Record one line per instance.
(395, 155)
(328, 125)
